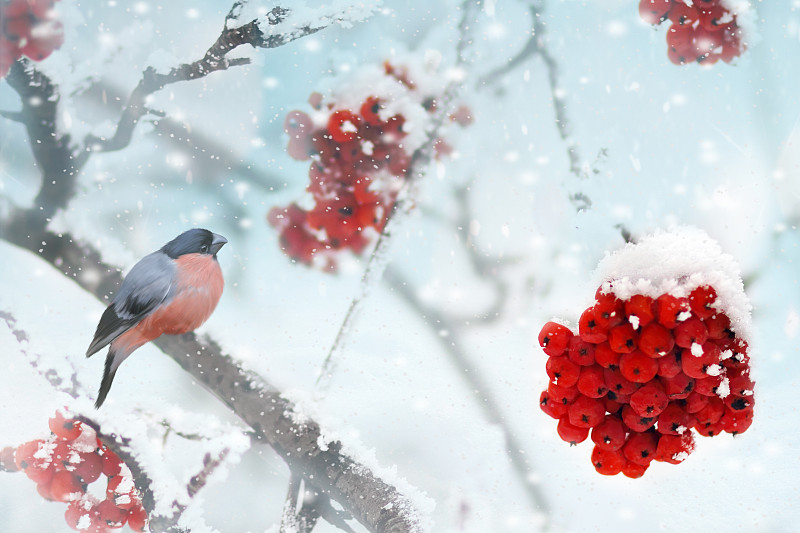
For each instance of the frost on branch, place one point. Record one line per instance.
(662, 350)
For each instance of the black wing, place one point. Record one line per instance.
(146, 286)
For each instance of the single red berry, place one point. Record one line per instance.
(79, 511)
(739, 382)
(640, 448)
(571, 434)
(554, 338)
(607, 462)
(673, 420)
(672, 310)
(137, 518)
(562, 395)
(711, 413)
(591, 382)
(714, 17)
(605, 356)
(589, 329)
(738, 404)
(701, 361)
(65, 487)
(691, 331)
(736, 422)
(343, 125)
(633, 470)
(654, 11)
(674, 449)
(682, 15)
(655, 340)
(552, 408)
(122, 491)
(695, 402)
(679, 386)
(649, 400)
(370, 110)
(680, 46)
(111, 515)
(634, 421)
(562, 371)
(639, 310)
(617, 383)
(609, 310)
(710, 386)
(112, 464)
(35, 459)
(610, 434)
(586, 412)
(63, 427)
(581, 352)
(622, 338)
(89, 466)
(7, 462)
(702, 300)
(718, 325)
(638, 367)
(669, 365)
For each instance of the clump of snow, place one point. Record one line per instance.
(676, 262)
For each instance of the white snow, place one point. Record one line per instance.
(676, 261)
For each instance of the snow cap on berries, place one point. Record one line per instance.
(676, 262)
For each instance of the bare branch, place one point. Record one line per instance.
(378, 505)
(477, 385)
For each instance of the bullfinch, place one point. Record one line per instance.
(173, 290)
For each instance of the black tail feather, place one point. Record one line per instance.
(108, 377)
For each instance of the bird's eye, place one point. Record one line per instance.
(204, 248)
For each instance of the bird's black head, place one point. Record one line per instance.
(194, 241)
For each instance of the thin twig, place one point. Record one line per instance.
(482, 391)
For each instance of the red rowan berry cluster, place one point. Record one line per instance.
(641, 373)
(360, 153)
(702, 30)
(29, 28)
(65, 464)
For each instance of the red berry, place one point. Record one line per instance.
(137, 518)
(609, 311)
(679, 386)
(589, 329)
(343, 125)
(701, 361)
(638, 367)
(607, 462)
(581, 352)
(710, 414)
(718, 326)
(622, 338)
(640, 448)
(111, 515)
(551, 407)
(591, 382)
(714, 17)
(689, 332)
(112, 464)
(562, 395)
(673, 420)
(736, 422)
(617, 383)
(633, 470)
(740, 383)
(554, 338)
(586, 412)
(571, 434)
(89, 466)
(649, 400)
(65, 487)
(370, 110)
(7, 462)
(639, 309)
(669, 365)
(680, 48)
(709, 386)
(35, 459)
(682, 15)
(739, 404)
(655, 340)
(634, 421)
(674, 449)
(562, 371)
(702, 300)
(654, 11)
(605, 356)
(710, 429)
(695, 402)
(672, 310)
(79, 511)
(609, 434)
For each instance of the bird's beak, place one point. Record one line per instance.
(217, 242)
